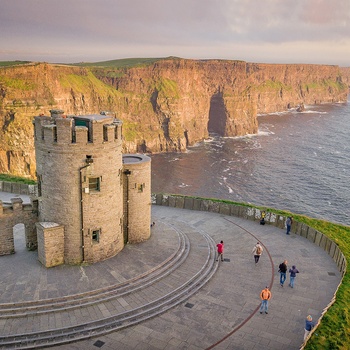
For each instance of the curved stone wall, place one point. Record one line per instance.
(250, 213)
(137, 197)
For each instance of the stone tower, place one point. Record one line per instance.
(137, 194)
(80, 184)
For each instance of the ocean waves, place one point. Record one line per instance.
(298, 162)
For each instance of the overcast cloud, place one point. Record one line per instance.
(272, 31)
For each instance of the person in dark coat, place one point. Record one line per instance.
(282, 269)
(293, 272)
(289, 222)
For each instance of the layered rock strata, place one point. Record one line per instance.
(165, 106)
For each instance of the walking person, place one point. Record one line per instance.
(282, 269)
(308, 326)
(289, 222)
(262, 220)
(265, 296)
(293, 273)
(257, 251)
(220, 247)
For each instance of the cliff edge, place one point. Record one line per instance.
(165, 105)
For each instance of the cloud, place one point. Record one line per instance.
(88, 30)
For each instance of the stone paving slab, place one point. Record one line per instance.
(223, 313)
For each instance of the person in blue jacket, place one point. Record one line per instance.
(308, 326)
(293, 272)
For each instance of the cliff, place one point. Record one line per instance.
(165, 105)
(345, 73)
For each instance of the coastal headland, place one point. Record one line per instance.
(165, 104)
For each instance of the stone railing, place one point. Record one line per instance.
(250, 213)
(225, 208)
(18, 188)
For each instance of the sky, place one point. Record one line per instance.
(260, 31)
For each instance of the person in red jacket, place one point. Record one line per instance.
(220, 247)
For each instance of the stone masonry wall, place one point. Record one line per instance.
(254, 214)
(79, 169)
(11, 215)
(18, 188)
(50, 243)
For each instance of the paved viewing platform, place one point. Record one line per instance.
(169, 292)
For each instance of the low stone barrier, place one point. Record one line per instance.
(250, 213)
(18, 188)
(225, 208)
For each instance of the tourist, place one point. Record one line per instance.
(282, 269)
(220, 247)
(293, 272)
(265, 296)
(262, 220)
(289, 222)
(257, 251)
(308, 326)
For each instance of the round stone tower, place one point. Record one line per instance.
(137, 197)
(80, 173)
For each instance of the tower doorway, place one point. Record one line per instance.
(19, 240)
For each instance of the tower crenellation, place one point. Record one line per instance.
(66, 130)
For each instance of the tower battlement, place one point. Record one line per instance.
(60, 129)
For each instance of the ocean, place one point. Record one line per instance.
(298, 161)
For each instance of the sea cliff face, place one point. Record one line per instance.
(165, 106)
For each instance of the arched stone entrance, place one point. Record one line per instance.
(19, 240)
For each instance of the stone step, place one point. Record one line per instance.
(163, 292)
(21, 309)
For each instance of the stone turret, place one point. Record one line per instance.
(80, 184)
(137, 197)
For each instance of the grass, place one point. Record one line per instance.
(123, 63)
(16, 83)
(131, 131)
(12, 63)
(168, 88)
(338, 86)
(84, 83)
(17, 179)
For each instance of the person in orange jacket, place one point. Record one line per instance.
(265, 296)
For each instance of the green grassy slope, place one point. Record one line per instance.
(12, 63)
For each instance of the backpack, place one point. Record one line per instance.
(258, 250)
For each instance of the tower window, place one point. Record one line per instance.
(96, 235)
(40, 179)
(140, 187)
(94, 183)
